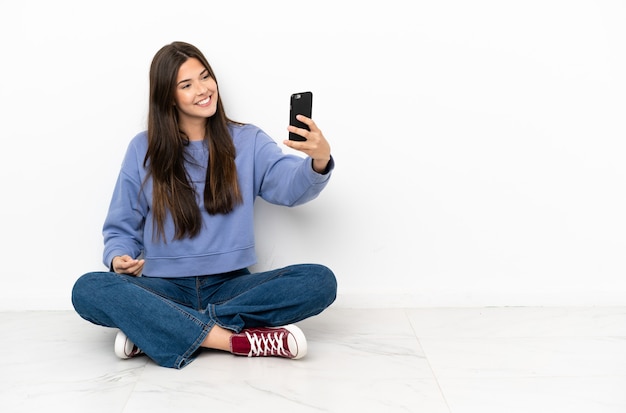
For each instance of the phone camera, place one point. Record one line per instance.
(298, 96)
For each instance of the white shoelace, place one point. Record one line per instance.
(266, 344)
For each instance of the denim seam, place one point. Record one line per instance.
(188, 356)
(276, 275)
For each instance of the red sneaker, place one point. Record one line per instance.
(286, 341)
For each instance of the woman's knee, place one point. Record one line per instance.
(326, 282)
(86, 288)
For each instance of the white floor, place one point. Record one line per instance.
(501, 360)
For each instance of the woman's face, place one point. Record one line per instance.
(196, 92)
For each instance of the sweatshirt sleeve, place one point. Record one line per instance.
(123, 225)
(286, 179)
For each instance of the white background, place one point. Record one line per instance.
(479, 145)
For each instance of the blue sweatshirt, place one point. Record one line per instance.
(226, 242)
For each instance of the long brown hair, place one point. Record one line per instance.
(173, 191)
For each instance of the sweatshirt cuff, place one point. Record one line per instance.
(329, 167)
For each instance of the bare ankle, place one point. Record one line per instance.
(218, 339)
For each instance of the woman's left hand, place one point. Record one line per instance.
(316, 146)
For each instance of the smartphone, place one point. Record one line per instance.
(300, 104)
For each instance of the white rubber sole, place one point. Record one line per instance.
(123, 346)
(296, 341)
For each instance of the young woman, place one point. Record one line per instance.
(178, 236)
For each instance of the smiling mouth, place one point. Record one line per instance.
(205, 101)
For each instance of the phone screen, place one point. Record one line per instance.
(300, 104)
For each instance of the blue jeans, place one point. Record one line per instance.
(168, 318)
